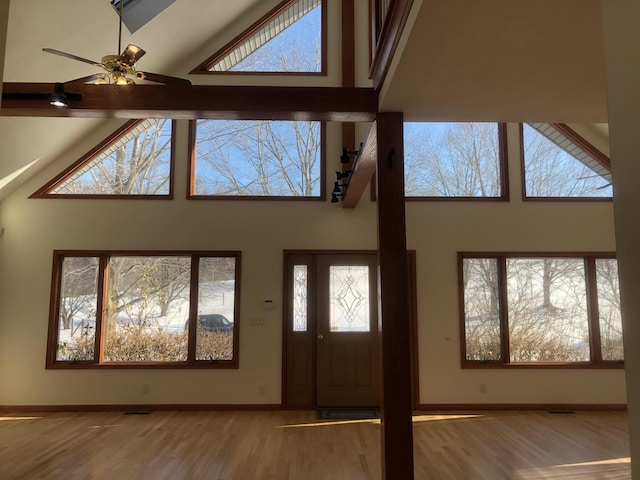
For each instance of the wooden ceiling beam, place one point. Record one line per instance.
(364, 168)
(193, 101)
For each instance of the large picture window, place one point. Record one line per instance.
(455, 160)
(257, 159)
(157, 309)
(540, 310)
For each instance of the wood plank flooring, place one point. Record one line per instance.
(275, 445)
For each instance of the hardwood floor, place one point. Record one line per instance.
(276, 445)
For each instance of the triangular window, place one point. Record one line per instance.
(289, 39)
(135, 161)
(558, 163)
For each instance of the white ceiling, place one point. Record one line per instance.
(497, 60)
(502, 60)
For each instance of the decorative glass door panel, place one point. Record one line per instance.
(349, 309)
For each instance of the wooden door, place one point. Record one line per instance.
(347, 365)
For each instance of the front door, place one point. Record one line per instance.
(347, 372)
(331, 330)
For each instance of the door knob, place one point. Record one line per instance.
(320, 337)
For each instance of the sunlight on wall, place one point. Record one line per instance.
(9, 178)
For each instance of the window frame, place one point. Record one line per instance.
(204, 67)
(104, 256)
(579, 141)
(595, 361)
(191, 170)
(45, 190)
(503, 163)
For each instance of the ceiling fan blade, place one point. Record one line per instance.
(156, 77)
(131, 55)
(87, 79)
(68, 55)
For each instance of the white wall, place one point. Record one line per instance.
(438, 230)
(261, 230)
(621, 37)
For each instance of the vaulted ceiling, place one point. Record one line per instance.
(494, 60)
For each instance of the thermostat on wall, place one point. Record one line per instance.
(268, 304)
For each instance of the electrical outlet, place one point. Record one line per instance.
(146, 388)
(262, 389)
(483, 388)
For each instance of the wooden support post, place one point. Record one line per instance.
(394, 315)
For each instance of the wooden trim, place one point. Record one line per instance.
(197, 101)
(462, 320)
(348, 44)
(480, 364)
(572, 135)
(267, 407)
(151, 407)
(595, 344)
(413, 308)
(569, 199)
(388, 40)
(537, 254)
(505, 340)
(430, 407)
(54, 310)
(454, 199)
(191, 158)
(98, 363)
(191, 176)
(101, 312)
(348, 70)
(523, 177)
(204, 67)
(504, 161)
(45, 190)
(194, 298)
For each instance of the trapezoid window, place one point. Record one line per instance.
(454, 160)
(135, 161)
(257, 159)
(558, 163)
(289, 39)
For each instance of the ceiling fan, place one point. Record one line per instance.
(120, 69)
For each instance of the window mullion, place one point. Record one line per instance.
(100, 313)
(193, 308)
(595, 343)
(504, 310)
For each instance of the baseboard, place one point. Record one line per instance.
(520, 406)
(422, 407)
(140, 407)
